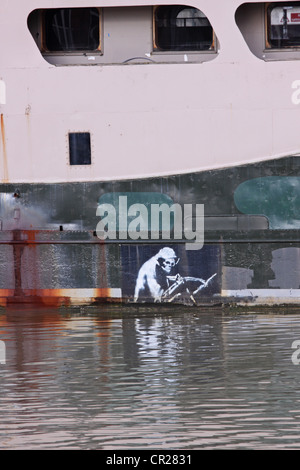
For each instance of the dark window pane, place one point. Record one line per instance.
(284, 24)
(182, 28)
(80, 148)
(72, 29)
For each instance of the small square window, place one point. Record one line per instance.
(80, 148)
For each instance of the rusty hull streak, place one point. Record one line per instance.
(45, 297)
(55, 297)
(3, 139)
(17, 255)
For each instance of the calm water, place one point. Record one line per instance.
(103, 378)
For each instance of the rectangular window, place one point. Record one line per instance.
(80, 148)
(283, 25)
(182, 28)
(72, 29)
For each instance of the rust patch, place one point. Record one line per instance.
(18, 248)
(3, 139)
(17, 254)
(54, 297)
(24, 296)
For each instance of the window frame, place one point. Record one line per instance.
(46, 51)
(158, 50)
(82, 164)
(268, 45)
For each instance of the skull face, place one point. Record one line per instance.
(167, 259)
(168, 264)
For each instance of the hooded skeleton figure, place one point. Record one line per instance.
(152, 276)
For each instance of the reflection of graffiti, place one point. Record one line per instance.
(188, 285)
(152, 277)
(157, 280)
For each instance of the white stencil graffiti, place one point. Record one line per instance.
(156, 279)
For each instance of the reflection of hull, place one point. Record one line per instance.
(50, 252)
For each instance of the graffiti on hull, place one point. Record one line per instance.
(165, 274)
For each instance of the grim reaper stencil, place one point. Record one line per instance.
(157, 280)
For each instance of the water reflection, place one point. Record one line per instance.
(104, 378)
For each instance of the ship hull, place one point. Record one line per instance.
(53, 252)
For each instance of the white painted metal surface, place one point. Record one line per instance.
(144, 119)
